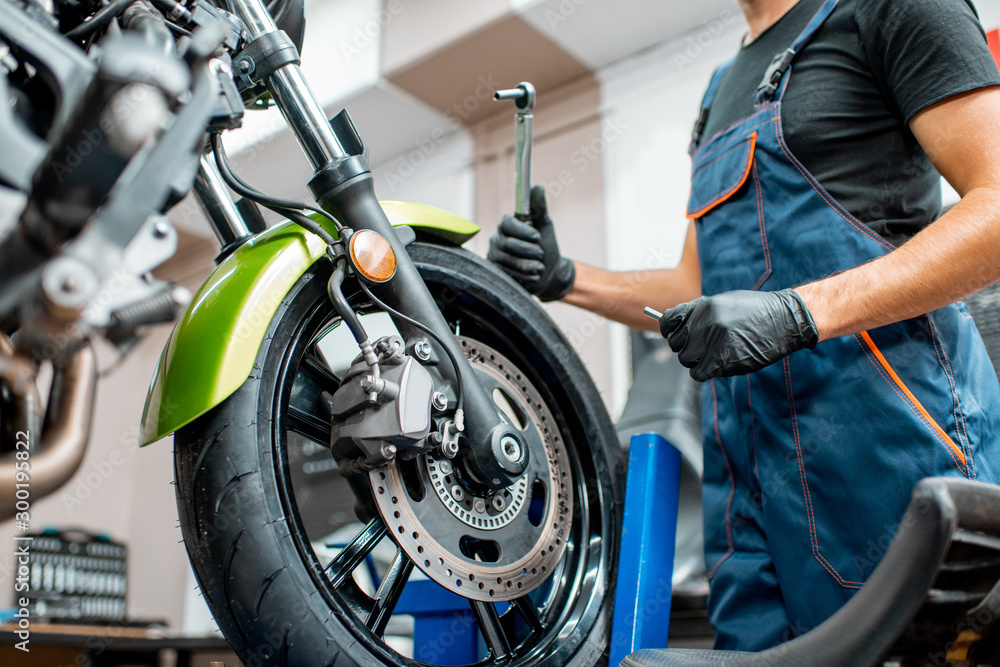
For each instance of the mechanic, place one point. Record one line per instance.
(817, 293)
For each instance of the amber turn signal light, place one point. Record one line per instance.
(372, 256)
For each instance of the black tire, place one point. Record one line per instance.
(253, 561)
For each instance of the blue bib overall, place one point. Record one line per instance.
(809, 463)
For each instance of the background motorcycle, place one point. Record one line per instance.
(473, 441)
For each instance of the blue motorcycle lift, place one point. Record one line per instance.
(646, 559)
(445, 628)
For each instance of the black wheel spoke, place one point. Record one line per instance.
(308, 426)
(341, 567)
(492, 629)
(389, 592)
(355, 599)
(526, 607)
(314, 377)
(313, 366)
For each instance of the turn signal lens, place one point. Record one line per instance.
(373, 256)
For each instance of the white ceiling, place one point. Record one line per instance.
(600, 32)
(343, 46)
(392, 122)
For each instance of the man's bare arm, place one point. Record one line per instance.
(621, 296)
(955, 256)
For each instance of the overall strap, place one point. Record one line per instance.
(706, 101)
(783, 61)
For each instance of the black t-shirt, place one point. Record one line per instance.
(853, 90)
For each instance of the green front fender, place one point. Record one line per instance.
(212, 348)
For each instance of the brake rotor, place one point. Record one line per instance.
(496, 548)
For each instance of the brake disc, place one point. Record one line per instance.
(485, 548)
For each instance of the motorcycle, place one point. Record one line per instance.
(356, 336)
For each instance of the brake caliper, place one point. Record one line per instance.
(377, 416)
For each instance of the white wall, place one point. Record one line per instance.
(340, 57)
(437, 173)
(655, 99)
(989, 12)
(650, 102)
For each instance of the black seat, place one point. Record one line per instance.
(934, 598)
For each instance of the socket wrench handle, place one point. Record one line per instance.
(523, 96)
(524, 100)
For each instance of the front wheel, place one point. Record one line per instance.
(294, 579)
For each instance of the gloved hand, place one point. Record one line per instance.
(738, 332)
(528, 252)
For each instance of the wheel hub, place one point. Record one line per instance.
(485, 548)
(469, 509)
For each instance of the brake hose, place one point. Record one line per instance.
(427, 330)
(237, 184)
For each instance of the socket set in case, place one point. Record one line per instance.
(77, 576)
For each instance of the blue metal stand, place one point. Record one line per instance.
(444, 627)
(646, 560)
(445, 630)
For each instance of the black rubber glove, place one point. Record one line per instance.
(738, 332)
(529, 253)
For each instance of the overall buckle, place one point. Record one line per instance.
(772, 77)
